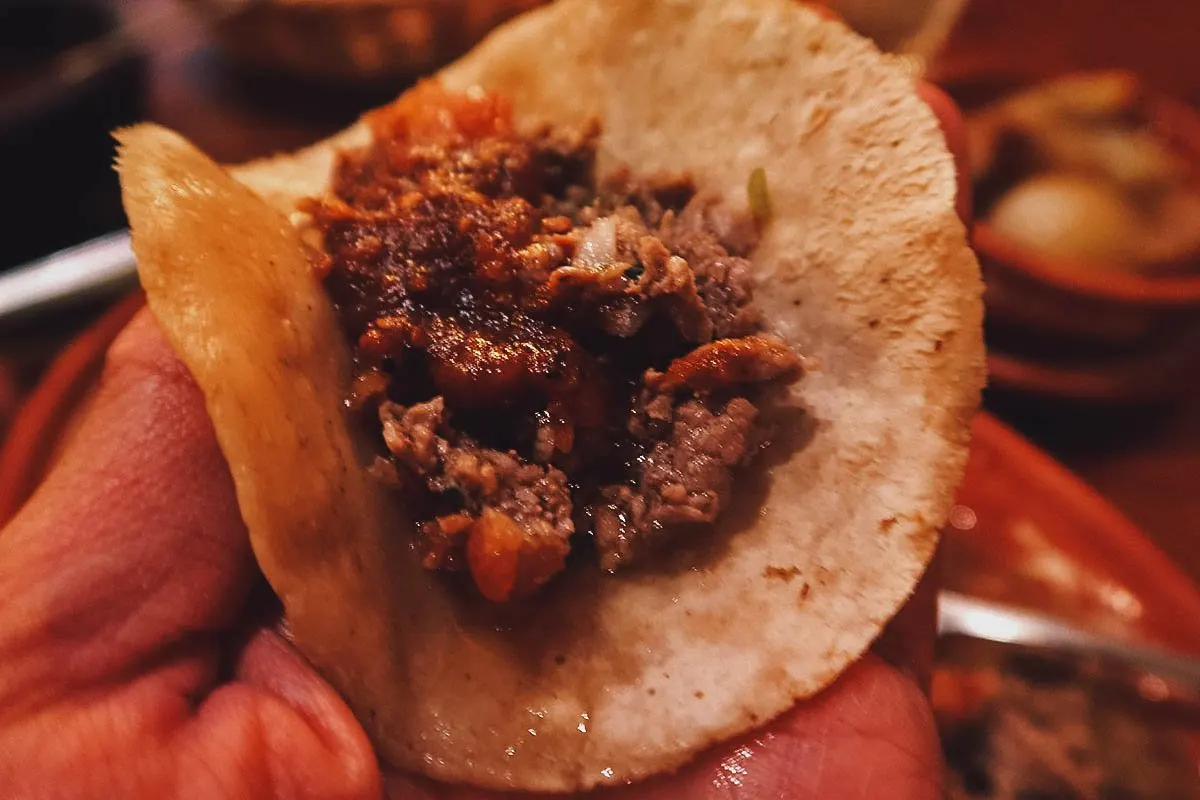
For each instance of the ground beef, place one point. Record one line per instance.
(725, 281)
(693, 448)
(639, 256)
(622, 273)
(534, 497)
(539, 347)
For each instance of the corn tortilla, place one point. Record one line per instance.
(606, 679)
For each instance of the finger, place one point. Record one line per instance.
(122, 578)
(133, 541)
(277, 730)
(955, 131)
(869, 735)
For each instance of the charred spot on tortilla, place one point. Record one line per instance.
(555, 361)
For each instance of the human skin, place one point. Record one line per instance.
(139, 656)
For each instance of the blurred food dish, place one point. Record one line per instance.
(1088, 196)
(1076, 170)
(355, 40)
(1021, 724)
(1027, 532)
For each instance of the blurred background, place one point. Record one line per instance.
(1082, 499)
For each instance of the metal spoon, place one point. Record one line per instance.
(90, 271)
(960, 615)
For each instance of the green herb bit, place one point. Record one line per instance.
(759, 196)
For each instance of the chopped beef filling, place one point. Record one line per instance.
(552, 358)
(533, 496)
(692, 449)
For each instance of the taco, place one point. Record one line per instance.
(597, 400)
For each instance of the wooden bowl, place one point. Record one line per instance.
(1086, 300)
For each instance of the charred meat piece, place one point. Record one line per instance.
(729, 362)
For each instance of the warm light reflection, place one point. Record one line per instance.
(734, 768)
(1153, 688)
(963, 518)
(1122, 601)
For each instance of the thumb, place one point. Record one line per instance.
(136, 531)
(122, 579)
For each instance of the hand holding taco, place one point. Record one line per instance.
(595, 402)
